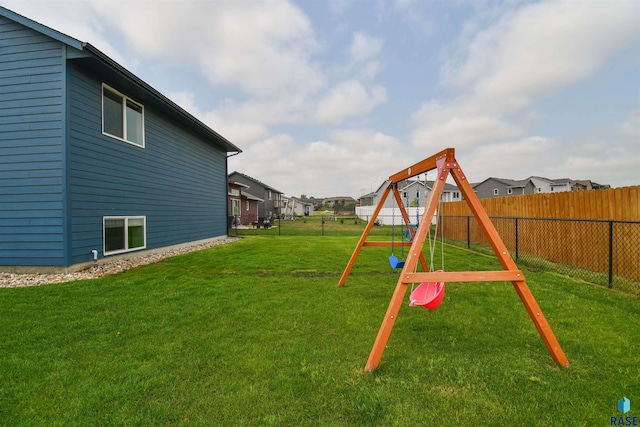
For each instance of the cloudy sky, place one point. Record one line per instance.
(330, 97)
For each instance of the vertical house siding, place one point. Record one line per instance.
(178, 181)
(31, 147)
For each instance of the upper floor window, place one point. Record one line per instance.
(122, 117)
(509, 190)
(495, 191)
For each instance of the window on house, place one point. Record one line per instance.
(509, 190)
(495, 191)
(122, 117)
(456, 194)
(246, 205)
(235, 207)
(123, 234)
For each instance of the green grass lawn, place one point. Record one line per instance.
(257, 332)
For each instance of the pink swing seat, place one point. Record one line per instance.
(428, 294)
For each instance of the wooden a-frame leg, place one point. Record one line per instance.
(499, 248)
(415, 253)
(364, 235)
(386, 327)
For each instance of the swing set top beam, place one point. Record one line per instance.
(423, 166)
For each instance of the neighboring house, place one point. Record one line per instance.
(272, 203)
(417, 192)
(295, 206)
(414, 195)
(368, 199)
(94, 162)
(315, 203)
(333, 202)
(585, 184)
(243, 206)
(546, 185)
(499, 187)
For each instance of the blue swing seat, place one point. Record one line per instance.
(395, 262)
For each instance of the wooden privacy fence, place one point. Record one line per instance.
(622, 204)
(596, 230)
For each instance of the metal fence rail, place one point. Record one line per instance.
(599, 251)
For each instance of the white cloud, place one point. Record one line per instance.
(364, 47)
(511, 159)
(543, 47)
(531, 52)
(262, 47)
(347, 163)
(442, 124)
(346, 99)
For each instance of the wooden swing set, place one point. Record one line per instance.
(445, 163)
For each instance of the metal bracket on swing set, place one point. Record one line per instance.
(445, 163)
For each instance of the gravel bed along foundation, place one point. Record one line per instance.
(11, 280)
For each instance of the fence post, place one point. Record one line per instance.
(469, 232)
(516, 239)
(610, 254)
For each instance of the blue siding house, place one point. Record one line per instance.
(94, 161)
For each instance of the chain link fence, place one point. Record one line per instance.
(598, 251)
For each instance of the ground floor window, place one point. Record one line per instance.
(124, 233)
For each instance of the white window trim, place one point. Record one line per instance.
(124, 117)
(495, 192)
(126, 234)
(509, 190)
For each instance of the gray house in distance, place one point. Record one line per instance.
(94, 162)
(410, 189)
(499, 187)
(273, 203)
